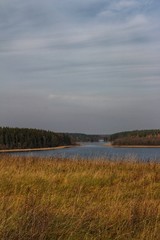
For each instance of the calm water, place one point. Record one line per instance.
(93, 150)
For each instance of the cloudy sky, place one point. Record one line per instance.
(90, 66)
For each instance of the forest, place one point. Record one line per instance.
(21, 138)
(80, 137)
(136, 137)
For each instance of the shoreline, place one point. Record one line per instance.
(135, 146)
(35, 149)
(131, 146)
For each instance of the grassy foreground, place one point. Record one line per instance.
(78, 199)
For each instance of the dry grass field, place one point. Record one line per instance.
(55, 199)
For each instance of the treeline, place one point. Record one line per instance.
(80, 137)
(21, 138)
(137, 137)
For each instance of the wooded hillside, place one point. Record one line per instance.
(12, 138)
(80, 137)
(137, 137)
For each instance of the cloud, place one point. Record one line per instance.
(124, 4)
(96, 59)
(31, 25)
(80, 99)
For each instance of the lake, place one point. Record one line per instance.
(98, 149)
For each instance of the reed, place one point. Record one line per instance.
(78, 199)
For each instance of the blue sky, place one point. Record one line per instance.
(89, 66)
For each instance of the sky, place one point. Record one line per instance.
(90, 66)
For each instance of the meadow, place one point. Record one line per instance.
(57, 199)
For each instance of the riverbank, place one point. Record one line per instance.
(135, 146)
(131, 146)
(35, 149)
(78, 199)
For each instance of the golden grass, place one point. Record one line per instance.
(78, 199)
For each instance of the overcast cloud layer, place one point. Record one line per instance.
(89, 66)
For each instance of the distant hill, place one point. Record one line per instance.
(21, 138)
(80, 137)
(136, 137)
